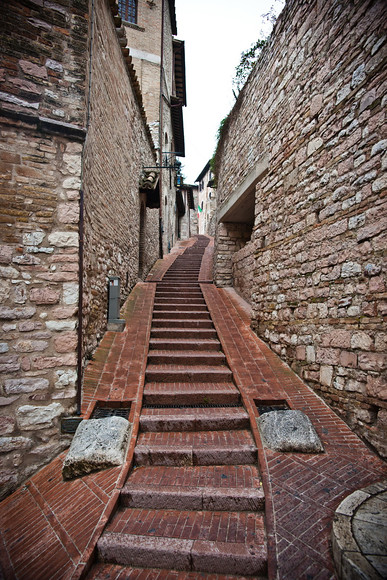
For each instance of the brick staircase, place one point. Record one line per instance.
(194, 501)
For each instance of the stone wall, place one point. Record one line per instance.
(314, 110)
(45, 103)
(116, 149)
(42, 79)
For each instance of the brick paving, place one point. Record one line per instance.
(303, 490)
(49, 528)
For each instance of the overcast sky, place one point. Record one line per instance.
(215, 34)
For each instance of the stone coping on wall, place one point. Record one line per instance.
(359, 534)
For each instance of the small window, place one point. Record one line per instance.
(128, 10)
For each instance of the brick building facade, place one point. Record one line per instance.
(158, 59)
(302, 211)
(74, 144)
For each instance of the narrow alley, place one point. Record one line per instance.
(194, 500)
(199, 495)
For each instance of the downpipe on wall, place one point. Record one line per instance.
(161, 253)
(81, 232)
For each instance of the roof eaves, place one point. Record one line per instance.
(204, 171)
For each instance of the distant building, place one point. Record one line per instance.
(206, 201)
(188, 222)
(159, 61)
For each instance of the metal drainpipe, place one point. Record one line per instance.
(80, 304)
(81, 233)
(161, 133)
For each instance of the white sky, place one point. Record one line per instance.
(215, 34)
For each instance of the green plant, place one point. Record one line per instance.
(247, 63)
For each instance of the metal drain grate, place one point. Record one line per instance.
(197, 406)
(268, 406)
(102, 412)
(70, 424)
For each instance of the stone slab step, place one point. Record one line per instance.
(218, 488)
(180, 277)
(193, 285)
(196, 448)
(102, 571)
(117, 572)
(183, 323)
(179, 357)
(191, 394)
(184, 344)
(244, 553)
(218, 476)
(169, 287)
(178, 298)
(194, 419)
(180, 307)
(187, 374)
(181, 314)
(183, 270)
(179, 333)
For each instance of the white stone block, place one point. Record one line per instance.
(32, 418)
(25, 385)
(33, 238)
(63, 239)
(59, 325)
(70, 293)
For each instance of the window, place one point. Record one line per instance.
(128, 10)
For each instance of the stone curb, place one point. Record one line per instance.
(354, 558)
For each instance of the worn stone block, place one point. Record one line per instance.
(25, 385)
(289, 431)
(32, 418)
(97, 444)
(44, 295)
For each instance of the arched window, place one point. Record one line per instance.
(128, 10)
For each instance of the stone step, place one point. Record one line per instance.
(180, 276)
(170, 294)
(101, 571)
(191, 394)
(172, 290)
(193, 419)
(177, 280)
(185, 266)
(203, 541)
(180, 307)
(168, 284)
(178, 357)
(181, 314)
(179, 333)
(184, 344)
(182, 271)
(183, 323)
(209, 487)
(187, 374)
(195, 448)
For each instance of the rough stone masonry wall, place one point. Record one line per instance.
(116, 149)
(316, 105)
(42, 74)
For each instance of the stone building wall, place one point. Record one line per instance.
(308, 134)
(116, 149)
(169, 211)
(144, 41)
(42, 76)
(44, 166)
